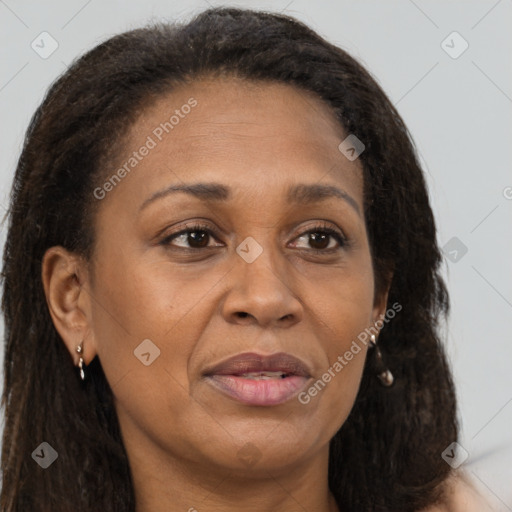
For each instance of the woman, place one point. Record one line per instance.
(221, 284)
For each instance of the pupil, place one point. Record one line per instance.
(199, 238)
(316, 237)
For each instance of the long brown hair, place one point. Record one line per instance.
(387, 455)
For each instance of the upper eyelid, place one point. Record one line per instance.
(203, 226)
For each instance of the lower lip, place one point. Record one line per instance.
(258, 392)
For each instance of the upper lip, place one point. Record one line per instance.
(251, 362)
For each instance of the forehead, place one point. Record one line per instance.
(253, 135)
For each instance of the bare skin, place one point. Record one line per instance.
(462, 496)
(186, 441)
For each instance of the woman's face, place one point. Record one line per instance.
(168, 309)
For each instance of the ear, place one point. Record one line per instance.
(64, 276)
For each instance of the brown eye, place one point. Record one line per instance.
(198, 238)
(323, 239)
(319, 240)
(194, 237)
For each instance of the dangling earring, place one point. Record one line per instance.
(80, 350)
(385, 376)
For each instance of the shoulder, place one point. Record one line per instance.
(461, 496)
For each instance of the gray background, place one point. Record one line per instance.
(459, 111)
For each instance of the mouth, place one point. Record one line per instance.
(259, 380)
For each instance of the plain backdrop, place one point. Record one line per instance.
(446, 66)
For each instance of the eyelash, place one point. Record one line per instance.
(319, 228)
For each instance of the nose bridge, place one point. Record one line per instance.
(261, 286)
(260, 260)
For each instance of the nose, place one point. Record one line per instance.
(261, 292)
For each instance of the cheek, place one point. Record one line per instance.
(145, 299)
(331, 395)
(147, 321)
(135, 301)
(347, 307)
(344, 308)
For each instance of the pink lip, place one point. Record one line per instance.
(227, 378)
(258, 392)
(252, 362)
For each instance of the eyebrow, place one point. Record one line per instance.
(301, 194)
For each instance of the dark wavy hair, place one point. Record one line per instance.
(387, 455)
